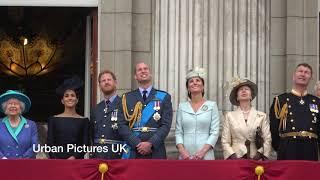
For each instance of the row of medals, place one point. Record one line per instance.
(114, 118)
(114, 115)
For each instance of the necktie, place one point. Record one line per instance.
(106, 106)
(144, 95)
(107, 103)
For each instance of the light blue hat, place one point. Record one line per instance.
(17, 95)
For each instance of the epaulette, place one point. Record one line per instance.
(281, 110)
(161, 91)
(283, 95)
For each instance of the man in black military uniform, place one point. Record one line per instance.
(147, 117)
(104, 119)
(294, 120)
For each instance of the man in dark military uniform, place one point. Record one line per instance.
(294, 120)
(104, 119)
(147, 117)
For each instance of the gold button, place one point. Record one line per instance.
(291, 120)
(104, 125)
(289, 106)
(294, 137)
(313, 100)
(290, 113)
(105, 115)
(287, 99)
(293, 128)
(102, 135)
(311, 129)
(144, 105)
(312, 114)
(131, 109)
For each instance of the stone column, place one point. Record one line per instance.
(226, 37)
(116, 40)
(294, 39)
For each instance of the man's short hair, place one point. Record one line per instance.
(107, 72)
(304, 65)
(141, 62)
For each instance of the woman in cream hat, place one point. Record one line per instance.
(197, 127)
(18, 134)
(246, 131)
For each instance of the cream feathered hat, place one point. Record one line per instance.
(196, 72)
(236, 83)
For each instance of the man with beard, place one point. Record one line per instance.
(146, 119)
(294, 119)
(104, 118)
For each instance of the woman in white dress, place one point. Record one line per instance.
(246, 131)
(197, 126)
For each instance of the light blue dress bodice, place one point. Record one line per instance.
(194, 129)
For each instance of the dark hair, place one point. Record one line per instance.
(107, 72)
(305, 65)
(202, 80)
(76, 91)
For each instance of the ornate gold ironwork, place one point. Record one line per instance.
(28, 59)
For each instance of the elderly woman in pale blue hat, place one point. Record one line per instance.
(18, 134)
(197, 127)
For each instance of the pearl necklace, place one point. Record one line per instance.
(245, 112)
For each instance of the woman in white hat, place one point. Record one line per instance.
(197, 126)
(18, 134)
(246, 131)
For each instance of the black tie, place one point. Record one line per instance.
(144, 95)
(107, 103)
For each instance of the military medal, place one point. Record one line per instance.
(204, 108)
(114, 126)
(301, 101)
(114, 115)
(313, 108)
(156, 106)
(156, 116)
(314, 120)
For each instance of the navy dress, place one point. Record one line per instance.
(67, 130)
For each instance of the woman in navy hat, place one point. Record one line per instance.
(68, 129)
(18, 134)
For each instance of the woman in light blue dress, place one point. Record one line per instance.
(197, 125)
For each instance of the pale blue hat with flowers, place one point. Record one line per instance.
(17, 95)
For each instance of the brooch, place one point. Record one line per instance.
(204, 108)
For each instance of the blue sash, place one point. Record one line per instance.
(146, 115)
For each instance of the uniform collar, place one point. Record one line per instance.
(148, 90)
(299, 94)
(13, 133)
(111, 99)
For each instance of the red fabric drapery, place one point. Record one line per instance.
(157, 170)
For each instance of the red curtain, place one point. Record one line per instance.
(157, 170)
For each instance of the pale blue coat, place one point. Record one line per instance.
(194, 129)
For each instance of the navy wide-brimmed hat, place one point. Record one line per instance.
(17, 95)
(73, 83)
